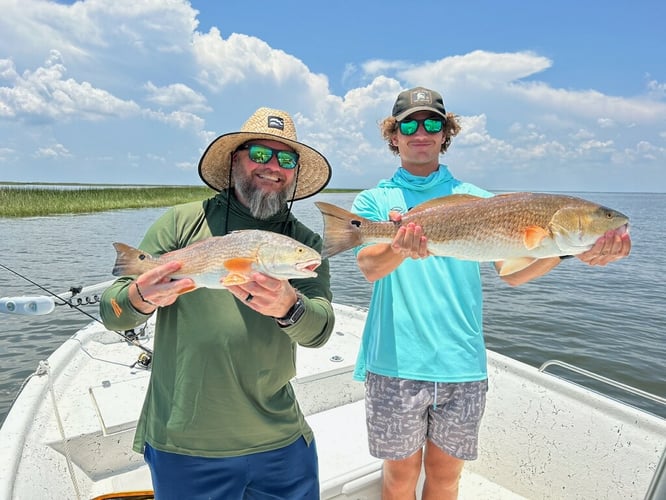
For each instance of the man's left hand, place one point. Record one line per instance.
(267, 296)
(612, 246)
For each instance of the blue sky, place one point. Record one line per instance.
(552, 96)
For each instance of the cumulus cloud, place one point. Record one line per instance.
(656, 89)
(45, 94)
(6, 154)
(177, 95)
(378, 67)
(641, 153)
(7, 70)
(54, 151)
(242, 58)
(478, 69)
(186, 166)
(180, 119)
(137, 84)
(94, 32)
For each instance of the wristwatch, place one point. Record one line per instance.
(293, 314)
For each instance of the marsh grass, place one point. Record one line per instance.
(16, 201)
(32, 202)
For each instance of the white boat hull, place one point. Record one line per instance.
(542, 437)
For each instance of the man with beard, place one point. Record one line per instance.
(220, 419)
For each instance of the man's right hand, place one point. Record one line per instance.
(409, 241)
(157, 289)
(381, 259)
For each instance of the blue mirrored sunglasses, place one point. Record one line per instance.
(431, 125)
(263, 154)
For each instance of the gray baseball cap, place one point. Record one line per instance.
(418, 99)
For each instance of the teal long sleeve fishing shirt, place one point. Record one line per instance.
(220, 381)
(425, 320)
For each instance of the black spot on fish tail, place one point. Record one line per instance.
(341, 229)
(131, 261)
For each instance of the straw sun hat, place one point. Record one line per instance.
(314, 171)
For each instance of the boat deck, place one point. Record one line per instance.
(349, 471)
(542, 437)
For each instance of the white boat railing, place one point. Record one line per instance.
(657, 488)
(605, 380)
(38, 305)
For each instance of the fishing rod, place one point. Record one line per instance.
(39, 305)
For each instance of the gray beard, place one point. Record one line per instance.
(261, 205)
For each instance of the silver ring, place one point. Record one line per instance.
(249, 297)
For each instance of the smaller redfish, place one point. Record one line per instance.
(220, 261)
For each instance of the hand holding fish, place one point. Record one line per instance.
(377, 261)
(155, 288)
(612, 246)
(409, 241)
(266, 295)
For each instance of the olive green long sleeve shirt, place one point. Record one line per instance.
(220, 372)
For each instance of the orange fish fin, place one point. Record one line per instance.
(452, 199)
(234, 279)
(239, 268)
(511, 266)
(533, 236)
(187, 289)
(239, 265)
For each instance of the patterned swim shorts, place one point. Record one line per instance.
(401, 414)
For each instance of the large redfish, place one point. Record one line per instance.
(516, 228)
(219, 261)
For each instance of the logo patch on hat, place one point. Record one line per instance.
(275, 122)
(421, 97)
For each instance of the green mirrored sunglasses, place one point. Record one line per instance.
(431, 125)
(263, 154)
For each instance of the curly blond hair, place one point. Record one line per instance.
(389, 127)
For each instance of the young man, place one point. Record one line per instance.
(220, 419)
(423, 356)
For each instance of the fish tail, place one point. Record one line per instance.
(341, 229)
(131, 261)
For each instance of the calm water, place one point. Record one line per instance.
(611, 321)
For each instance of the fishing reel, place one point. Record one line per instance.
(132, 337)
(143, 361)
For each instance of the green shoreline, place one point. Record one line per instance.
(19, 201)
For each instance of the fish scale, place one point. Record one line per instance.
(210, 254)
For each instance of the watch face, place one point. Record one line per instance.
(294, 314)
(299, 309)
